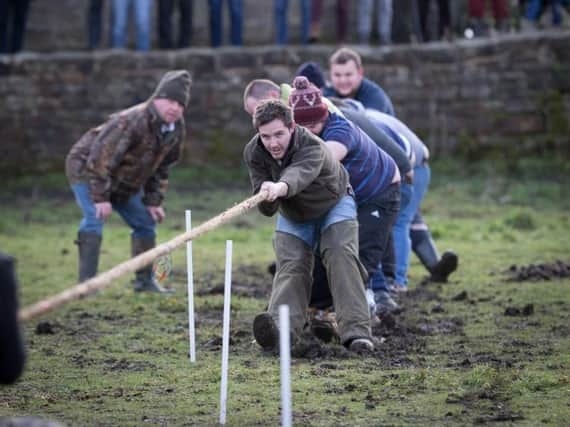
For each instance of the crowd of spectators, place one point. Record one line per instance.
(376, 21)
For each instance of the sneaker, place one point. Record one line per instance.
(265, 331)
(397, 288)
(371, 302)
(361, 346)
(323, 324)
(384, 302)
(444, 267)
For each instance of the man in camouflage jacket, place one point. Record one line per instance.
(123, 165)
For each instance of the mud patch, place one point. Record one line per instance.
(527, 310)
(127, 365)
(537, 272)
(247, 281)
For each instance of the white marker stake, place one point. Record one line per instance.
(190, 270)
(226, 333)
(285, 353)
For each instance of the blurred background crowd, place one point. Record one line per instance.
(171, 24)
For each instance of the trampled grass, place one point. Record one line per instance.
(117, 358)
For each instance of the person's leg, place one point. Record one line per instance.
(401, 235)
(143, 10)
(306, 20)
(555, 7)
(90, 233)
(20, 19)
(236, 18)
(376, 221)
(423, 8)
(186, 22)
(94, 23)
(281, 25)
(444, 21)
(120, 18)
(346, 275)
(341, 20)
(385, 14)
(216, 23)
(363, 20)
(143, 238)
(165, 24)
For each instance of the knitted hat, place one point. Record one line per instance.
(313, 72)
(306, 102)
(174, 85)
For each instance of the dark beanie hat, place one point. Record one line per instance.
(313, 72)
(174, 85)
(306, 102)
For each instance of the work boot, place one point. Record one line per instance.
(89, 245)
(361, 346)
(323, 324)
(424, 247)
(144, 278)
(446, 265)
(265, 331)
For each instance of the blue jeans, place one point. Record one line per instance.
(133, 212)
(534, 7)
(216, 22)
(142, 10)
(310, 231)
(401, 229)
(281, 21)
(384, 14)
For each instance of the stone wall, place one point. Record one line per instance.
(504, 93)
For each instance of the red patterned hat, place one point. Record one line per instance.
(306, 102)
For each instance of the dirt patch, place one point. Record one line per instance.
(527, 310)
(247, 281)
(537, 272)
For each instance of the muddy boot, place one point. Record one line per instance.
(445, 266)
(424, 247)
(323, 324)
(144, 280)
(265, 332)
(89, 245)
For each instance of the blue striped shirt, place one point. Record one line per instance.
(370, 168)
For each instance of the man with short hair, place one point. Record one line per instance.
(348, 81)
(310, 191)
(123, 165)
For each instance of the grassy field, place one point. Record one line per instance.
(490, 347)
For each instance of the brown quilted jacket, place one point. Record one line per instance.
(127, 153)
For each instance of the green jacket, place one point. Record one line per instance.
(127, 153)
(315, 179)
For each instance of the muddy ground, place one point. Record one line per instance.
(409, 339)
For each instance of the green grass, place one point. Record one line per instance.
(117, 358)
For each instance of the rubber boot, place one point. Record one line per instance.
(89, 245)
(144, 280)
(424, 247)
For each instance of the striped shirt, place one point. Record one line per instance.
(370, 169)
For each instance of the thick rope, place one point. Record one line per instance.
(106, 279)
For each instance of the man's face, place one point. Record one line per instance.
(315, 128)
(168, 110)
(276, 137)
(346, 78)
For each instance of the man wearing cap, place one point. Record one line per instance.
(123, 165)
(311, 193)
(373, 176)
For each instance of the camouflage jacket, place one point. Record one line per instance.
(127, 153)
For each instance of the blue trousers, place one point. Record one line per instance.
(216, 22)
(281, 21)
(133, 212)
(142, 10)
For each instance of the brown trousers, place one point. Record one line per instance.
(294, 276)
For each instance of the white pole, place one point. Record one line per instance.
(285, 353)
(226, 332)
(190, 271)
